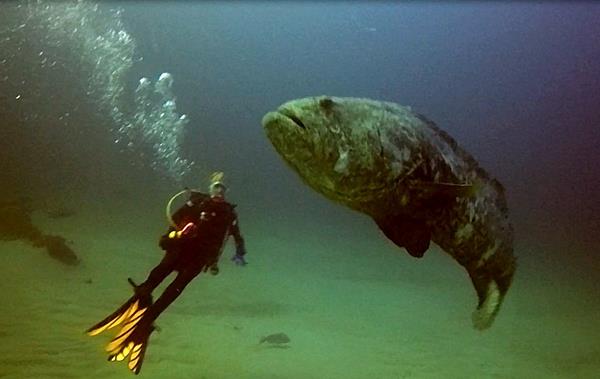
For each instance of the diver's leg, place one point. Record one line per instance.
(132, 340)
(133, 308)
(136, 305)
(158, 274)
(171, 292)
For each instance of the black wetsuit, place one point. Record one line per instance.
(215, 220)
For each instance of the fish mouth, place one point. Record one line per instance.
(292, 116)
(283, 116)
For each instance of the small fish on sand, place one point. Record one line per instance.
(276, 339)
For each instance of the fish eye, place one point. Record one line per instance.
(326, 103)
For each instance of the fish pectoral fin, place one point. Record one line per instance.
(412, 234)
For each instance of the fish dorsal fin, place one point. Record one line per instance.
(412, 234)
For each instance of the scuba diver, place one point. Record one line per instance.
(193, 244)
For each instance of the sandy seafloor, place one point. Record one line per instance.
(353, 305)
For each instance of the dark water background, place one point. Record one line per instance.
(517, 84)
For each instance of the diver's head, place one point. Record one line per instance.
(217, 189)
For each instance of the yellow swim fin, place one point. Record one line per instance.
(125, 312)
(131, 341)
(135, 329)
(121, 315)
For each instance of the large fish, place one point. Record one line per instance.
(396, 166)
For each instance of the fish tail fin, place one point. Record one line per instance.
(486, 312)
(491, 279)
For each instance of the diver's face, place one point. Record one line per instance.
(217, 191)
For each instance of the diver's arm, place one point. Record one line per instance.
(240, 248)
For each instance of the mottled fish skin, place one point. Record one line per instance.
(375, 158)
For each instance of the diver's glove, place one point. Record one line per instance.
(238, 259)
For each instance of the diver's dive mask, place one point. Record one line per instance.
(217, 189)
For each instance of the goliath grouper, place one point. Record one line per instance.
(412, 178)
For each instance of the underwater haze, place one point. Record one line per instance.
(107, 110)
